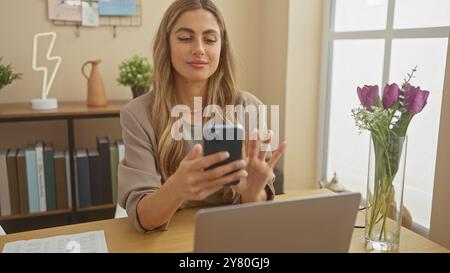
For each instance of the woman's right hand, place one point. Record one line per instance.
(192, 182)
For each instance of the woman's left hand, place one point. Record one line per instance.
(251, 188)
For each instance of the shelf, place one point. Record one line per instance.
(100, 207)
(68, 112)
(74, 109)
(56, 212)
(36, 214)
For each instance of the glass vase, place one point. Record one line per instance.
(384, 199)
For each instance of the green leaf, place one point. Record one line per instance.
(7, 75)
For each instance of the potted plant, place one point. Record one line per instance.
(136, 72)
(7, 75)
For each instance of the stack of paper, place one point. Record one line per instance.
(88, 242)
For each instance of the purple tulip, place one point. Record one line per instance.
(368, 95)
(415, 99)
(390, 95)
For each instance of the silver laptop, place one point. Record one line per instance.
(310, 224)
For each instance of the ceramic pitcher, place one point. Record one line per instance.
(96, 89)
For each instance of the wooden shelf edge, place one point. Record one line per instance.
(36, 214)
(94, 208)
(69, 109)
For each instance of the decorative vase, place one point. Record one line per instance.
(139, 90)
(96, 89)
(384, 200)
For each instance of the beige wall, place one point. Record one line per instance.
(440, 217)
(276, 42)
(273, 38)
(302, 92)
(19, 24)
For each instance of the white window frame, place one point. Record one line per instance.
(328, 38)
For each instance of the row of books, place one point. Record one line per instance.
(38, 178)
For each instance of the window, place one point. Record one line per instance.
(378, 42)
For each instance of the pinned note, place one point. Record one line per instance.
(64, 10)
(118, 8)
(90, 15)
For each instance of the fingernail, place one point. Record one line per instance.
(243, 162)
(245, 173)
(226, 155)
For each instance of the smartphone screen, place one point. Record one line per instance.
(223, 138)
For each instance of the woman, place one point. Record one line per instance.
(159, 175)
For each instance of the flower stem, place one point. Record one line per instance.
(386, 210)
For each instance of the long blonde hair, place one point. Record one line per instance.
(222, 89)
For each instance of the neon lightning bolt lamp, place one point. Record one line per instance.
(44, 103)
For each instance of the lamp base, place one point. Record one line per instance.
(44, 104)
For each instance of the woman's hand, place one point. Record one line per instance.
(251, 188)
(192, 182)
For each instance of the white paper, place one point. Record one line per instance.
(90, 16)
(88, 242)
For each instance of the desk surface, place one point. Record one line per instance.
(121, 237)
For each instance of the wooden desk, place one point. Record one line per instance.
(121, 237)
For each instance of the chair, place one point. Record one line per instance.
(120, 212)
(2, 232)
(279, 181)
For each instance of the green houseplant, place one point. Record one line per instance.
(136, 72)
(7, 75)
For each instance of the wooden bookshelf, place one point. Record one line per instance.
(68, 112)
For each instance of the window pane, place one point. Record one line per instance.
(355, 63)
(355, 15)
(429, 55)
(421, 13)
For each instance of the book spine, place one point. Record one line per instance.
(83, 179)
(75, 180)
(121, 149)
(11, 163)
(68, 179)
(49, 172)
(5, 204)
(23, 182)
(114, 154)
(60, 181)
(41, 177)
(95, 174)
(33, 192)
(103, 149)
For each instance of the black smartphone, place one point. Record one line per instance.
(223, 138)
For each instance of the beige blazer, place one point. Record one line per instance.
(139, 171)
